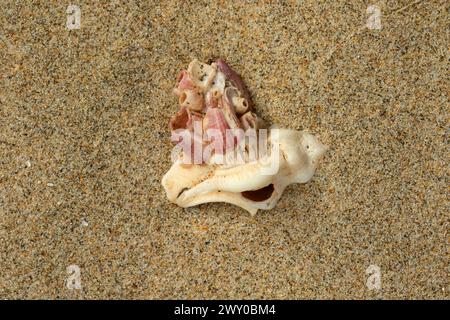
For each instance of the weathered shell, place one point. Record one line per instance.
(216, 97)
(232, 97)
(184, 82)
(235, 79)
(202, 74)
(242, 185)
(184, 119)
(229, 113)
(192, 99)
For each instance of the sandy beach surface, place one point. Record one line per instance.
(84, 142)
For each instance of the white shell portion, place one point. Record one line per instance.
(218, 83)
(299, 154)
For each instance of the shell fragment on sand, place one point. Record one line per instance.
(219, 99)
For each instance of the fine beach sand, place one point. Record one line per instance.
(84, 142)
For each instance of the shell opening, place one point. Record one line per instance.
(260, 194)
